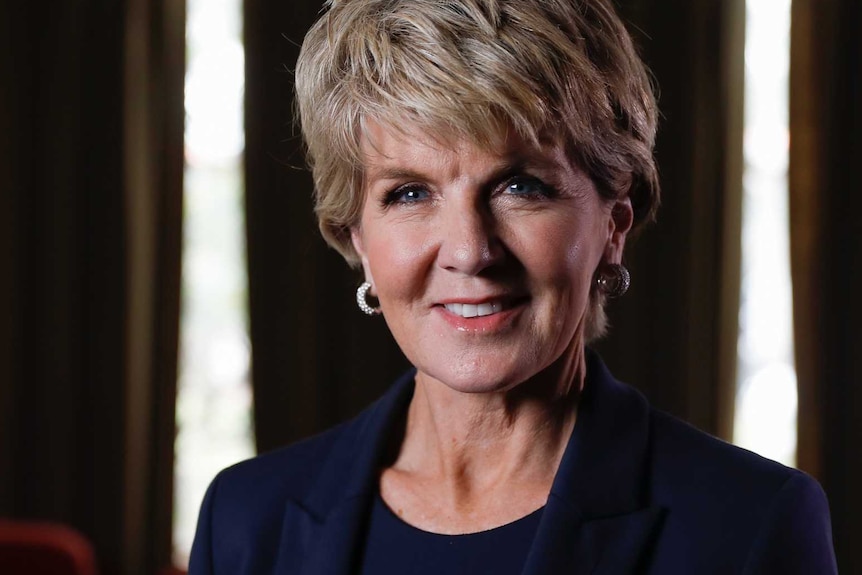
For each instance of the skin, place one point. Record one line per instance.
(496, 398)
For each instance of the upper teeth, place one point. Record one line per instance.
(474, 310)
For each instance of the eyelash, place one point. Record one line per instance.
(397, 195)
(544, 191)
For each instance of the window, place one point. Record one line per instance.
(213, 395)
(765, 419)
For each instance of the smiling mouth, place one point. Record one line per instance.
(469, 310)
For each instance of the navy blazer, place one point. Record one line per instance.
(637, 491)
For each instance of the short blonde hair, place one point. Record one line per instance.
(559, 70)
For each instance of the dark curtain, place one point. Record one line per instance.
(317, 359)
(91, 175)
(826, 250)
(674, 333)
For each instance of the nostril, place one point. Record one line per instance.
(468, 240)
(469, 256)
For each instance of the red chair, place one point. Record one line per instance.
(41, 548)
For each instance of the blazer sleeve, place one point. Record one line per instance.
(796, 536)
(201, 558)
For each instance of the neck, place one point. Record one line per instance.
(475, 444)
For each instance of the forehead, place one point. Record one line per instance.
(386, 149)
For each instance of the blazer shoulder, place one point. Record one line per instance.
(252, 509)
(796, 534)
(683, 456)
(748, 513)
(257, 489)
(287, 473)
(244, 506)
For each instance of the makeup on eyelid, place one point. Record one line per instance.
(535, 189)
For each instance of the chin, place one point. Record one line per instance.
(477, 378)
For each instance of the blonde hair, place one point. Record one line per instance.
(559, 70)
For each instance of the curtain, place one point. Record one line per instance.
(91, 173)
(826, 249)
(316, 359)
(674, 333)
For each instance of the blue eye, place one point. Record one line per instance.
(528, 187)
(407, 194)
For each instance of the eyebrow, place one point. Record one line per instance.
(508, 167)
(395, 173)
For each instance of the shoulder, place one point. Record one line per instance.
(313, 464)
(283, 474)
(683, 456)
(243, 514)
(254, 493)
(250, 508)
(741, 509)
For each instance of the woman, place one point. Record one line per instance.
(484, 162)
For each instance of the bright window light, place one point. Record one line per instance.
(214, 394)
(765, 420)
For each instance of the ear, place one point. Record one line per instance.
(358, 245)
(619, 224)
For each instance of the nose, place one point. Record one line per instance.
(468, 240)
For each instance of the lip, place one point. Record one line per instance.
(499, 320)
(507, 298)
(469, 310)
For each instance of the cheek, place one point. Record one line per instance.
(396, 258)
(584, 247)
(562, 252)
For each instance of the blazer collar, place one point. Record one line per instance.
(594, 521)
(332, 517)
(353, 466)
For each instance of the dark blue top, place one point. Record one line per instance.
(637, 492)
(393, 547)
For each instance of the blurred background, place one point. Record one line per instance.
(169, 308)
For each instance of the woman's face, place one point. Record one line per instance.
(482, 261)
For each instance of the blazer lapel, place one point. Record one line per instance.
(328, 525)
(595, 521)
(611, 546)
(332, 545)
(615, 546)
